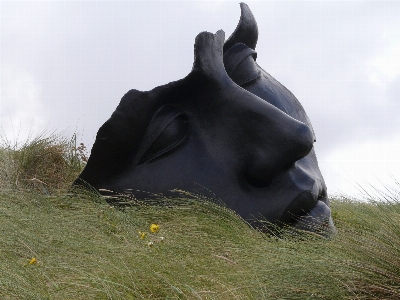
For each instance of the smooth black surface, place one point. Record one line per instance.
(228, 128)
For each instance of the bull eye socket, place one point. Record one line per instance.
(166, 131)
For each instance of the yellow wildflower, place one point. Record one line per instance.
(33, 261)
(154, 228)
(142, 234)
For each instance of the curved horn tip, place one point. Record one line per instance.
(246, 31)
(244, 6)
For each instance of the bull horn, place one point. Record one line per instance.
(246, 31)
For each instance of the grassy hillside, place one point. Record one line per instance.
(60, 245)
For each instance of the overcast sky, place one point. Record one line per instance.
(66, 65)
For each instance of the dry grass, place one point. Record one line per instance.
(47, 163)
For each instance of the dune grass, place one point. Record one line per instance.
(46, 163)
(58, 244)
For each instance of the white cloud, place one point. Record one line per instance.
(386, 66)
(373, 163)
(21, 112)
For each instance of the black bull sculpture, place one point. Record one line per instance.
(228, 126)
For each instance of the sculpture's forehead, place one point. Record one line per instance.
(193, 94)
(196, 94)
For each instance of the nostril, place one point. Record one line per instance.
(258, 181)
(259, 168)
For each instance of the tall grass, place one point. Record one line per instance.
(46, 163)
(59, 245)
(370, 238)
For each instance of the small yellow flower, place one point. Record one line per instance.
(154, 228)
(142, 234)
(33, 261)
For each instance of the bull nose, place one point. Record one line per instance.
(277, 150)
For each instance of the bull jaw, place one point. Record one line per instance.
(318, 220)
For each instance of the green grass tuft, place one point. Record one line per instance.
(84, 248)
(46, 163)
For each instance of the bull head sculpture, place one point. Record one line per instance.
(227, 126)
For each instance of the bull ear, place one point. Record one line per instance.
(246, 31)
(208, 56)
